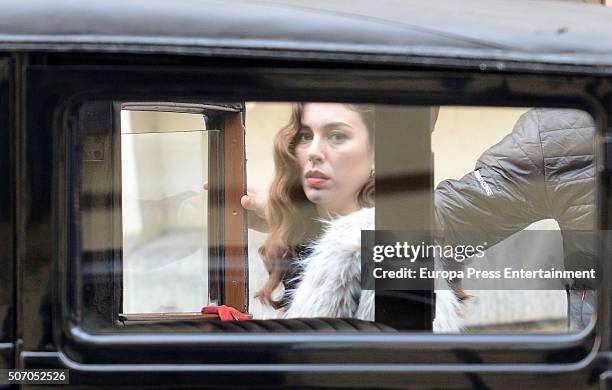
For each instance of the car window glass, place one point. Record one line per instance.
(500, 202)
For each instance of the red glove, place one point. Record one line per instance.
(225, 313)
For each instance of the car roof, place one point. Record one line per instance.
(383, 30)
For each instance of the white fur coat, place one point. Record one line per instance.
(330, 278)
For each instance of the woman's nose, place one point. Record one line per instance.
(316, 150)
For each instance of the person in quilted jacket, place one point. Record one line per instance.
(543, 169)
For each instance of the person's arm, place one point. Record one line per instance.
(504, 194)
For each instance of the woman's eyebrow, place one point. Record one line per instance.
(333, 125)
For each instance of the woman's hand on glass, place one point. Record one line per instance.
(256, 203)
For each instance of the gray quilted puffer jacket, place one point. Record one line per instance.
(544, 169)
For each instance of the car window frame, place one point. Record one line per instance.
(98, 132)
(427, 87)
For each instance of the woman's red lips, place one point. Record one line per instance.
(315, 181)
(315, 177)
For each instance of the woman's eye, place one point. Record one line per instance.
(337, 136)
(303, 137)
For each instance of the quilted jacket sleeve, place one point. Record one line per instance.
(504, 194)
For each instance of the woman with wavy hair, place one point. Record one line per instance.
(324, 160)
(320, 199)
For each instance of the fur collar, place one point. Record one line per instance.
(330, 279)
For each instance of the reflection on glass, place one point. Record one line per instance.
(164, 212)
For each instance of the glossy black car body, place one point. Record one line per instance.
(52, 56)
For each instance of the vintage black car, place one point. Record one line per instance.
(110, 247)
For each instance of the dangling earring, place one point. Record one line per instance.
(372, 173)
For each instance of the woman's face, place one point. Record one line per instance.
(335, 156)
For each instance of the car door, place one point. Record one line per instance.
(68, 288)
(7, 297)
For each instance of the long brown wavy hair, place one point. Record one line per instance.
(292, 218)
